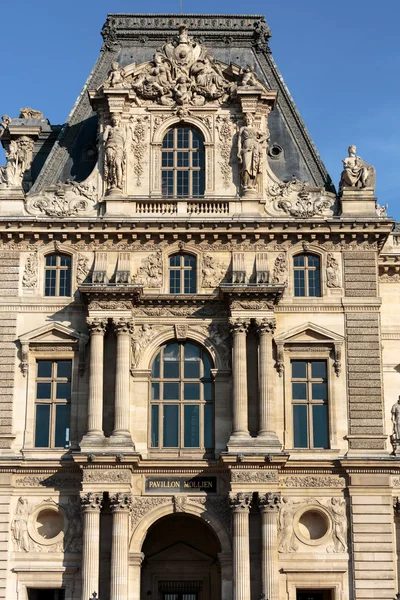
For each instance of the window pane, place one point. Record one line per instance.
(51, 260)
(192, 361)
(189, 260)
(44, 368)
(299, 369)
(300, 427)
(65, 283)
(63, 391)
(206, 367)
(299, 391)
(171, 370)
(313, 261)
(319, 391)
(299, 284)
(182, 159)
(155, 391)
(64, 368)
(170, 426)
(62, 426)
(154, 425)
(171, 391)
(299, 260)
(208, 426)
(318, 369)
(167, 184)
(175, 260)
(42, 425)
(190, 281)
(314, 284)
(171, 364)
(191, 426)
(208, 391)
(156, 367)
(175, 282)
(191, 391)
(168, 141)
(320, 426)
(43, 391)
(50, 283)
(182, 184)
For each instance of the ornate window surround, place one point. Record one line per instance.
(306, 248)
(156, 149)
(50, 342)
(180, 249)
(41, 266)
(311, 342)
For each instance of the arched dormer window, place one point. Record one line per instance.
(182, 274)
(183, 171)
(181, 398)
(57, 280)
(307, 275)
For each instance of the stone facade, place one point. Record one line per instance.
(198, 337)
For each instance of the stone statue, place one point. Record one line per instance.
(19, 158)
(250, 153)
(5, 121)
(332, 272)
(356, 173)
(249, 78)
(115, 77)
(19, 526)
(114, 155)
(395, 412)
(30, 113)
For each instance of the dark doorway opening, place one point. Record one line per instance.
(314, 595)
(46, 594)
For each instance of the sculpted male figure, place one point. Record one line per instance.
(114, 155)
(396, 418)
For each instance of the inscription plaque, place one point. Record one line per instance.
(181, 484)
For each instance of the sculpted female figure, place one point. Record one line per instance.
(19, 525)
(356, 173)
(114, 155)
(250, 153)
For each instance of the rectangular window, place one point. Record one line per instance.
(310, 404)
(53, 397)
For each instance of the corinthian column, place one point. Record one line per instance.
(269, 506)
(91, 505)
(239, 329)
(97, 329)
(240, 505)
(121, 504)
(265, 330)
(123, 329)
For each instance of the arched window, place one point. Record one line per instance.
(182, 274)
(182, 173)
(57, 275)
(307, 277)
(181, 397)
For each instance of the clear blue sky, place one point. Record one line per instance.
(340, 60)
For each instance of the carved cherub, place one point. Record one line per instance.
(249, 78)
(183, 90)
(115, 78)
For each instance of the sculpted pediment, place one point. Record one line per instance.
(182, 72)
(51, 333)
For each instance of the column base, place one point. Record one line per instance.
(123, 441)
(93, 442)
(260, 445)
(268, 441)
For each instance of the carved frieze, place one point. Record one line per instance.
(313, 481)
(150, 272)
(142, 505)
(254, 476)
(56, 480)
(213, 272)
(106, 476)
(139, 127)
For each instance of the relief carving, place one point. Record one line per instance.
(218, 337)
(31, 113)
(313, 481)
(121, 501)
(139, 146)
(286, 539)
(337, 509)
(332, 272)
(280, 269)
(251, 305)
(224, 125)
(30, 276)
(49, 481)
(240, 501)
(139, 340)
(19, 526)
(259, 476)
(73, 537)
(150, 272)
(269, 502)
(213, 272)
(67, 199)
(82, 268)
(304, 206)
(179, 503)
(218, 506)
(107, 476)
(142, 505)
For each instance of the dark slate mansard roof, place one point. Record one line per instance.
(239, 39)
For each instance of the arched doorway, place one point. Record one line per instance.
(181, 560)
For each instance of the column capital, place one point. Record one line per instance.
(96, 325)
(91, 501)
(121, 502)
(265, 326)
(240, 502)
(239, 325)
(269, 502)
(122, 325)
